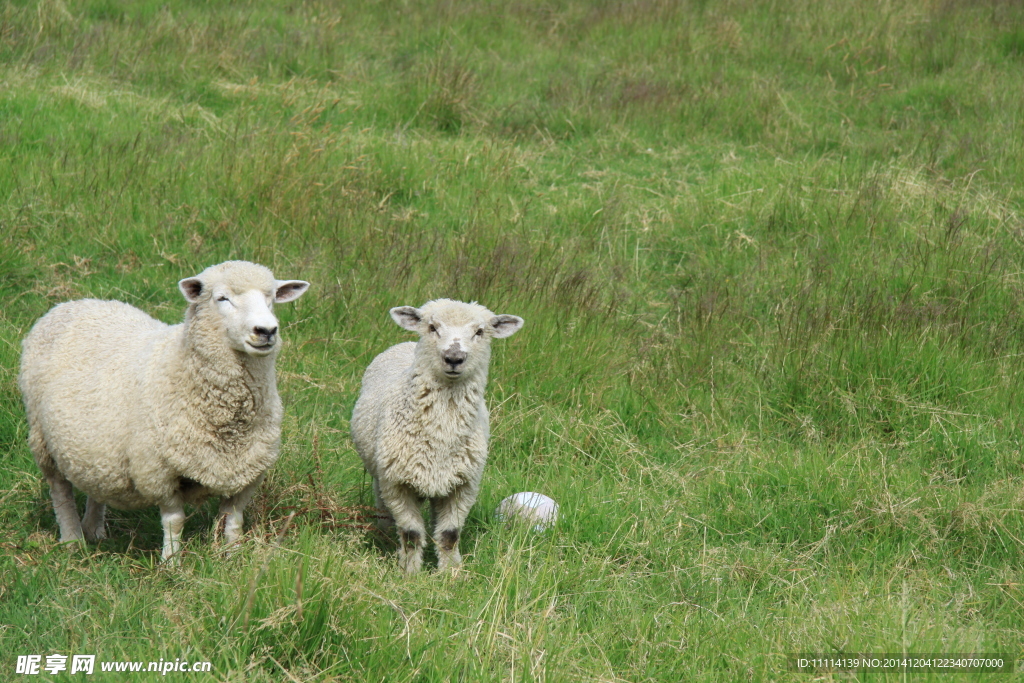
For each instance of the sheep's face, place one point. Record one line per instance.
(244, 308)
(455, 337)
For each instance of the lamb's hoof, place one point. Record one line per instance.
(449, 559)
(229, 548)
(95, 535)
(410, 566)
(452, 571)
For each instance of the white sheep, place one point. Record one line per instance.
(421, 424)
(134, 412)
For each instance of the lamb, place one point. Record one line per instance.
(135, 413)
(421, 425)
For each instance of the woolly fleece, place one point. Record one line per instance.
(135, 413)
(421, 424)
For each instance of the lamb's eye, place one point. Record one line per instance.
(222, 298)
(480, 332)
(432, 329)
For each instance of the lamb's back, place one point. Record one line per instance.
(387, 370)
(382, 385)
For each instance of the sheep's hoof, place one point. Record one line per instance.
(94, 535)
(218, 529)
(172, 560)
(73, 544)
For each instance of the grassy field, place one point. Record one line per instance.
(771, 261)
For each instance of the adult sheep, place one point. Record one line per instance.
(421, 424)
(134, 412)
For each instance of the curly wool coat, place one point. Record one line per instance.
(421, 424)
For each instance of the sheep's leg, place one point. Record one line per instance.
(92, 522)
(230, 518)
(61, 493)
(449, 516)
(404, 505)
(63, 497)
(172, 515)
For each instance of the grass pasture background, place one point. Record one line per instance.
(770, 259)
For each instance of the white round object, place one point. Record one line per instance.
(529, 507)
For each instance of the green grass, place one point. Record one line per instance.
(770, 260)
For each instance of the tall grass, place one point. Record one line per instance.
(769, 256)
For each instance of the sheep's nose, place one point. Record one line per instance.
(454, 356)
(265, 332)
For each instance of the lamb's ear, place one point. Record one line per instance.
(290, 290)
(408, 317)
(191, 287)
(506, 325)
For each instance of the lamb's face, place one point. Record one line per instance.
(243, 302)
(455, 337)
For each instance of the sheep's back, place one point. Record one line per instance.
(83, 365)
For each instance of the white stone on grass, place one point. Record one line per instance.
(535, 508)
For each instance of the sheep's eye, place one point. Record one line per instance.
(222, 298)
(480, 332)
(433, 329)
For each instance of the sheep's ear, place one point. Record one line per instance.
(407, 317)
(191, 287)
(290, 290)
(506, 325)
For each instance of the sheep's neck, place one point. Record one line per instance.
(229, 389)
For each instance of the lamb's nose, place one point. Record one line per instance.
(265, 332)
(454, 356)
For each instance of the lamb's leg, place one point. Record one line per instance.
(63, 497)
(449, 516)
(404, 505)
(92, 522)
(172, 515)
(383, 519)
(230, 519)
